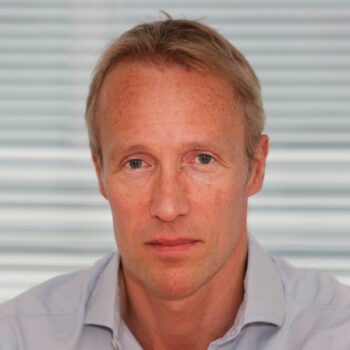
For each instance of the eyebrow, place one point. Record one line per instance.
(125, 148)
(129, 148)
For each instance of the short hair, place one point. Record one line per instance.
(194, 46)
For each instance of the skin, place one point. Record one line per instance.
(175, 173)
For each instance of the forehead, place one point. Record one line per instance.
(136, 96)
(140, 81)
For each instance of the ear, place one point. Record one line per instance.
(258, 165)
(99, 172)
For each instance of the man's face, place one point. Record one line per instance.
(175, 174)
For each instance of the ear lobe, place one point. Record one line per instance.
(99, 173)
(257, 173)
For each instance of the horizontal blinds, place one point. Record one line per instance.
(52, 219)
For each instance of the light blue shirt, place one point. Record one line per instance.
(284, 308)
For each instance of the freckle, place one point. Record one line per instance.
(218, 198)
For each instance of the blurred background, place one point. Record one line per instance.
(52, 218)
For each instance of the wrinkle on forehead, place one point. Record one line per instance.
(131, 87)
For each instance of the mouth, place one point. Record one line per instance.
(172, 247)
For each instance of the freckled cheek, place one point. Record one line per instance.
(226, 196)
(214, 194)
(218, 198)
(129, 216)
(127, 202)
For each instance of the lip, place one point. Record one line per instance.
(172, 247)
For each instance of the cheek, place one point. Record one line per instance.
(219, 196)
(128, 208)
(124, 199)
(225, 211)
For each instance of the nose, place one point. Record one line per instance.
(169, 199)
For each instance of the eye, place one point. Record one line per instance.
(135, 163)
(204, 158)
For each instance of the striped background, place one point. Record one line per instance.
(52, 219)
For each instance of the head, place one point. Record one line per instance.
(193, 46)
(175, 119)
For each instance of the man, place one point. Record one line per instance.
(175, 121)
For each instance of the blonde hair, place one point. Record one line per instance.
(194, 46)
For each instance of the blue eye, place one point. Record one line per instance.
(204, 158)
(135, 163)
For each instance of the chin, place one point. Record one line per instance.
(174, 286)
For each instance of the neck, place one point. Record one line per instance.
(208, 313)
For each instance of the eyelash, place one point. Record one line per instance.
(128, 163)
(195, 160)
(206, 155)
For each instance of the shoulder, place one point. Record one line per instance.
(316, 303)
(309, 287)
(59, 297)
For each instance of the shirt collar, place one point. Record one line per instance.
(103, 303)
(264, 299)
